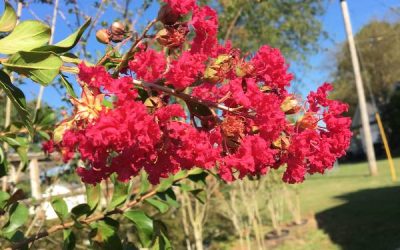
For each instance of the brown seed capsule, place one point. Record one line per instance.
(118, 28)
(103, 36)
(173, 36)
(290, 105)
(167, 16)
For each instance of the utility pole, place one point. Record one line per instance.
(362, 103)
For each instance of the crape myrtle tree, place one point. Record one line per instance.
(178, 105)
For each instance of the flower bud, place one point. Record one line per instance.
(103, 36)
(290, 105)
(153, 102)
(244, 69)
(218, 69)
(281, 143)
(167, 16)
(308, 121)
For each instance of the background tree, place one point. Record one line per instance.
(378, 46)
(293, 26)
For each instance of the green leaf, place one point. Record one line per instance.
(93, 193)
(60, 207)
(45, 117)
(18, 217)
(68, 43)
(72, 58)
(181, 174)
(17, 98)
(26, 36)
(3, 165)
(160, 205)
(80, 210)
(199, 194)
(162, 242)
(185, 187)
(144, 183)
(68, 86)
(3, 199)
(41, 67)
(18, 236)
(120, 193)
(9, 18)
(196, 171)
(69, 239)
(10, 141)
(23, 154)
(44, 135)
(199, 177)
(105, 236)
(169, 197)
(165, 184)
(143, 225)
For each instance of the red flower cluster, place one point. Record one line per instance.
(203, 105)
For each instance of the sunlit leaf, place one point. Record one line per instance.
(26, 36)
(165, 184)
(60, 207)
(9, 18)
(160, 205)
(199, 194)
(68, 43)
(3, 199)
(120, 193)
(18, 217)
(41, 67)
(144, 183)
(143, 225)
(93, 193)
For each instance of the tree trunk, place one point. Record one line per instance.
(198, 238)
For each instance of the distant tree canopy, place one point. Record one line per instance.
(291, 25)
(378, 45)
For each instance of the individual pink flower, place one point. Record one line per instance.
(185, 70)
(93, 76)
(48, 147)
(148, 65)
(205, 23)
(271, 68)
(181, 7)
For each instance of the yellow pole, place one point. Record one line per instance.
(387, 149)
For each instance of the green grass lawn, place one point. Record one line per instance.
(351, 209)
(320, 192)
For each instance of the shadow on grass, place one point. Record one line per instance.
(370, 219)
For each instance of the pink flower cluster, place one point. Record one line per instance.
(222, 112)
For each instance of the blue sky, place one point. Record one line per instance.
(309, 77)
(361, 12)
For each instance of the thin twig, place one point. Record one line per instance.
(187, 97)
(109, 53)
(131, 51)
(53, 28)
(91, 27)
(232, 24)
